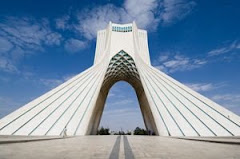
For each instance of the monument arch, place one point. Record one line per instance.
(169, 108)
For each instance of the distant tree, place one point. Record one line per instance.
(103, 131)
(121, 133)
(129, 133)
(140, 131)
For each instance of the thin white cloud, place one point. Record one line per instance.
(144, 12)
(48, 82)
(161, 68)
(175, 10)
(23, 36)
(176, 62)
(229, 101)
(148, 14)
(5, 45)
(226, 49)
(121, 111)
(51, 83)
(111, 94)
(63, 22)
(68, 77)
(218, 51)
(7, 65)
(172, 62)
(8, 105)
(204, 87)
(163, 58)
(74, 45)
(53, 39)
(200, 87)
(227, 97)
(123, 102)
(238, 46)
(92, 20)
(28, 33)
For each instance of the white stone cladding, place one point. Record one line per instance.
(169, 108)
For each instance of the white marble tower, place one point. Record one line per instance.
(169, 108)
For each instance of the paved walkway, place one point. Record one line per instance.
(115, 147)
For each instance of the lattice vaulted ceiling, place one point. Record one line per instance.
(121, 66)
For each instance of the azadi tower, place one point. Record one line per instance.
(169, 108)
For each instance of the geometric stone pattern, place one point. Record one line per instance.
(121, 66)
(169, 108)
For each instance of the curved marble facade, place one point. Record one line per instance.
(169, 108)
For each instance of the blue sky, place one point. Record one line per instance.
(44, 43)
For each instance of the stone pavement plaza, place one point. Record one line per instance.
(82, 147)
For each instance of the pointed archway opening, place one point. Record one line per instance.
(121, 111)
(122, 67)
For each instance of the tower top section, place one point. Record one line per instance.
(126, 37)
(122, 27)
